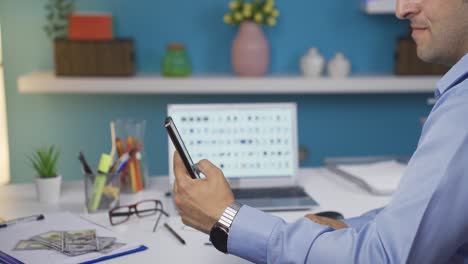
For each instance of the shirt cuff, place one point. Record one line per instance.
(255, 225)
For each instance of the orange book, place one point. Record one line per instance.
(90, 26)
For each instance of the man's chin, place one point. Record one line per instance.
(426, 55)
(431, 56)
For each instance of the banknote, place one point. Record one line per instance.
(53, 239)
(70, 243)
(78, 241)
(104, 242)
(29, 245)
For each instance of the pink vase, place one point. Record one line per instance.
(250, 51)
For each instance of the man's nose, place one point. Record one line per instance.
(405, 9)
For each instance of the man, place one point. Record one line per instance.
(427, 219)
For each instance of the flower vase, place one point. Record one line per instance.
(250, 51)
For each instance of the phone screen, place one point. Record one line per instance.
(180, 147)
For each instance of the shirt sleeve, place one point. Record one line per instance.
(413, 227)
(252, 230)
(358, 222)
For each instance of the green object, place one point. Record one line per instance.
(100, 181)
(44, 161)
(105, 163)
(176, 62)
(57, 12)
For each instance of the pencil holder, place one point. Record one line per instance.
(102, 192)
(130, 135)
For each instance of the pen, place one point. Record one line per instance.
(121, 164)
(122, 161)
(86, 167)
(22, 220)
(174, 233)
(99, 182)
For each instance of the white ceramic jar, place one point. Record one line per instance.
(339, 66)
(312, 63)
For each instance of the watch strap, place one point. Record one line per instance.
(220, 231)
(229, 214)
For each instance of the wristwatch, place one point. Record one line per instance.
(220, 231)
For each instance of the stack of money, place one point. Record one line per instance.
(70, 243)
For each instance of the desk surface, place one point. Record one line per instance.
(331, 191)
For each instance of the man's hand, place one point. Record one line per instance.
(201, 202)
(335, 224)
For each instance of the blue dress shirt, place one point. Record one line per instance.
(426, 220)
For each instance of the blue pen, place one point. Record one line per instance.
(123, 160)
(120, 165)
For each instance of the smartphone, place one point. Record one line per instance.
(180, 147)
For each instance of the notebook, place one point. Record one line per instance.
(255, 144)
(58, 221)
(379, 175)
(381, 178)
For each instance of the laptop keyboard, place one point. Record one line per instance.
(273, 192)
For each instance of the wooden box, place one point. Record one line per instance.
(94, 58)
(408, 63)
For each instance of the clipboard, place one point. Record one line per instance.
(58, 221)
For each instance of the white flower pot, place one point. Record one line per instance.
(48, 189)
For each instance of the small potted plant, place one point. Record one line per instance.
(250, 54)
(44, 162)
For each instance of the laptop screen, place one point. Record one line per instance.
(244, 140)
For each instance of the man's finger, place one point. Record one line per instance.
(180, 172)
(313, 218)
(335, 224)
(208, 168)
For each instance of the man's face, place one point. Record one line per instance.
(439, 28)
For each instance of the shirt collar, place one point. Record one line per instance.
(456, 74)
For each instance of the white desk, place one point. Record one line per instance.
(331, 191)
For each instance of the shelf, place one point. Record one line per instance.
(378, 6)
(47, 82)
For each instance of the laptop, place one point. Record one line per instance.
(255, 145)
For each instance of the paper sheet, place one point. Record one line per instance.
(382, 177)
(9, 236)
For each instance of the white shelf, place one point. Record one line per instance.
(47, 82)
(378, 6)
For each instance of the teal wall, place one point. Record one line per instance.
(329, 125)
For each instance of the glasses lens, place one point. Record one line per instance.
(146, 208)
(119, 215)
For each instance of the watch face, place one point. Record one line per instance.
(219, 236)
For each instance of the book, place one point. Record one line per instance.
(83, 26)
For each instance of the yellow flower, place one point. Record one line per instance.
(233, 5)
(275, 13)
(247, 6)
(270, 2)
(268, 8)
(238, 16)
(247, 13)
(258, 17)
(228, 19)
(271, 21)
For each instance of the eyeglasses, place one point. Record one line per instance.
(121, 214)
